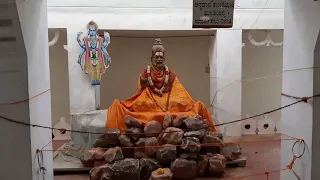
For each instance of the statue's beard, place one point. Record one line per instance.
(159, 65)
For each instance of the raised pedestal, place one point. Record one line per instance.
(67, 159)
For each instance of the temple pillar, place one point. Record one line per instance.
(24, 73)
(225, 56)
(82, 94)
(301, 50)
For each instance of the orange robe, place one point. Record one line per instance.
(147, 105)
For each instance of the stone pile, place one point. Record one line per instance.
(161, 151)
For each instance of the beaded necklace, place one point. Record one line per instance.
(166, 80)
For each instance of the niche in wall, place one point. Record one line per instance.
(130, 52)
(262, 84)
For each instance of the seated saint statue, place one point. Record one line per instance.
(159, 93)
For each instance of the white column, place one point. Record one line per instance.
(301, 120)
(24, 75)
(225, 68)
(82, 93)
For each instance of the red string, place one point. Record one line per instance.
(86, 132)
(250, 175)
(25, 100)
(45, 145)
(159, 146)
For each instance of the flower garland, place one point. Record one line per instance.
(266, 42)
(166, 80)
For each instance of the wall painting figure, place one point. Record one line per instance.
(94, 58)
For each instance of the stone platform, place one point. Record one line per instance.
(261, 157)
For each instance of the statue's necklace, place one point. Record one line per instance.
(166, 80)
(93, 43)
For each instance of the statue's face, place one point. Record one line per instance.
(158, 60)
(92, 31)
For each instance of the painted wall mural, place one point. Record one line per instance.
(94, 58)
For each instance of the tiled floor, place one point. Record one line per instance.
(262, 157)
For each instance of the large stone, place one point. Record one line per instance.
(87, 161)
(171, 135)
(191, 145)
(178, 121)
(151, 146)
(139, 153)
(231, 152)
(166, 174)
(107, 140)
(202, 165)
(124, 140)
(152, 129)
(101, 173)
(212, 142)
(147, 165)
(167, 121)
(184, 169)
(216, 164)
(141, 142)
(90, 156)
(219, 135)
(97, 153)
(198, 134)
(166, 154)
(132, 122)
(113, 154)
(126, 169)
(134, 133)
(194, 123)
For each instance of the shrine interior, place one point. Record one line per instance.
(159, 90)
(187, 54)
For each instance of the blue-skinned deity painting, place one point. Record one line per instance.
(94, 58)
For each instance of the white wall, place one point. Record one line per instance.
(225, 68)
(316, 113)
(34, 25)
(300, 35)
(14, 80)
(27, 74)
(59, 80)
(157, 15)
(261, 95)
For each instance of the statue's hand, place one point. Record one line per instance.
(144, 83)
(79, 35)
(109, 60)
(106, 36)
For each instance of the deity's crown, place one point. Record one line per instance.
(92, 23)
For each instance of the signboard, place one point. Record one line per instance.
(213, 13)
